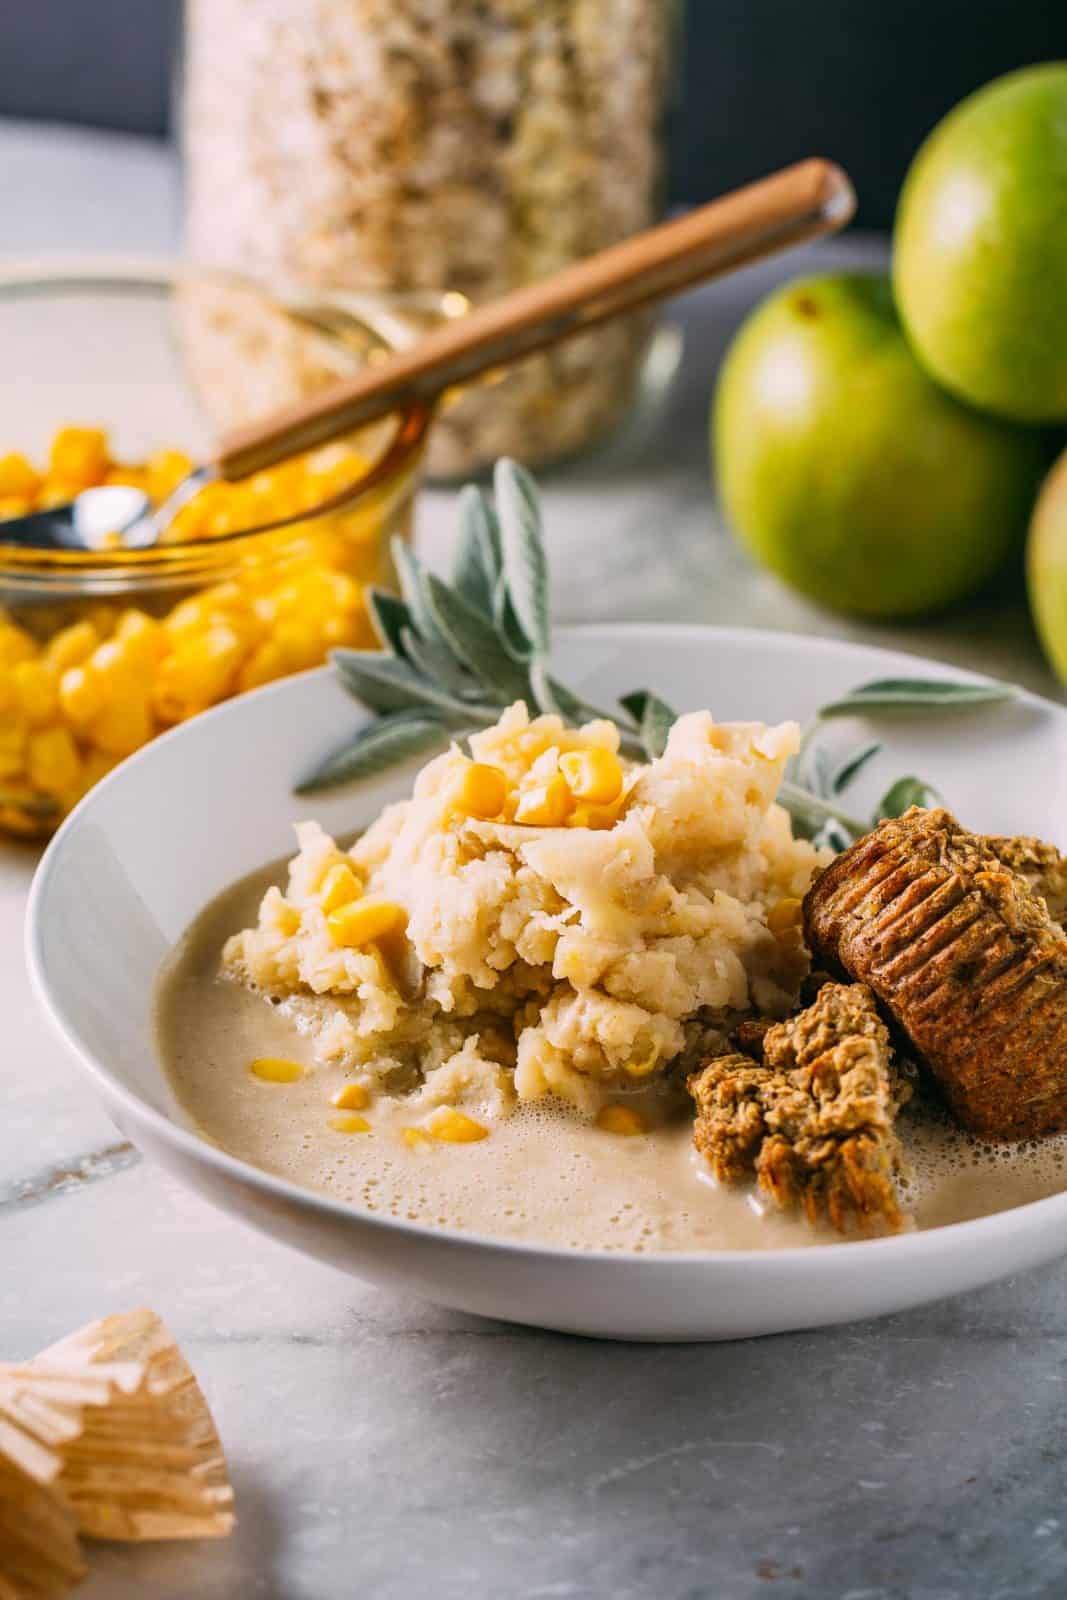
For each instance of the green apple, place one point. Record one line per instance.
(1046, 566)
(980, 247)
(844, 469)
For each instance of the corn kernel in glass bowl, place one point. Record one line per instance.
(139, 369)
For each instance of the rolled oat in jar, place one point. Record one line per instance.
(468, 145)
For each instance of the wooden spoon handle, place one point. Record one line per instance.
(800, 202)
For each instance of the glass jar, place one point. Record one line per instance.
(101, 650)
(442, 145)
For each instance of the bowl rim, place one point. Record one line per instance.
(95, 273)
(838, 1255)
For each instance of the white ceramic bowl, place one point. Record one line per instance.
(212, 800)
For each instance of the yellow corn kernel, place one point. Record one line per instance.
(351, 1097)
(345, 630)
(15, 644)
(365, 920)
(364, 559)
(12, 750)
(478, 791)
(96, 765)
(200, 670)
(190, 616)
(546, 805)
(35, 689)
(641, 1065)
(71, 646)
(276, 1069)
(350, 1124)
(301, 644)
(82, 694)
(18, 479)
(52, 760)
(592, 775)
(621, 1119)
(598, 818)
(235, 511)
(57, 492)
(339, 888)
(145, 639)
(264, 665)
(231, 607)
(354, 629)
(125, 723)
(415, 1138)
(163, 471)
(102, 617)
(345, 593)
(128, 477)
(114, 663)
(308, 594)
(454, 1127)
(79, 456)
(784, 917)
(274, 483)
(186, 525)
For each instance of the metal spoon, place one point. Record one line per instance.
(103, 518)
(799, 203)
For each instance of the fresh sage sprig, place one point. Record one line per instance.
(931, 695)
(812, 785)
(455, 654)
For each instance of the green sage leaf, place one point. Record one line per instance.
(816, 773)
(849, 769)
(380, 745)
(572, 708)
(904, 794)
(811, 812)
(414, 584)
(917, 694)
(390, 616)
(386, 683)
(523, 551)
(475, 563)
(544, 689)
(506, 624)
(832, 836)
(474, 641)
(438, 666)
(654, 718)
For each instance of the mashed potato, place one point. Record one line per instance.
(549, 960)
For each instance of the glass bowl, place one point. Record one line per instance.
(101, 650)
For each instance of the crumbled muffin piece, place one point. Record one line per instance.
(750, 1036)
(1041, 864)
(814, 1120)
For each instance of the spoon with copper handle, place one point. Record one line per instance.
(799, 203)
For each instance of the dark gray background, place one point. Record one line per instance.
(763, 81)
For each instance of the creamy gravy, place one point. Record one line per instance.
(542, 1175)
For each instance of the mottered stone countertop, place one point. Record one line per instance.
(390, 1449)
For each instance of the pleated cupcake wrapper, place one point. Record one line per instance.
(40, 1556)
(107, 1434)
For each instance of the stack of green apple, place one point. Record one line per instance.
(881, 441)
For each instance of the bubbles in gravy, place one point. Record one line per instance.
(542, 1175)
